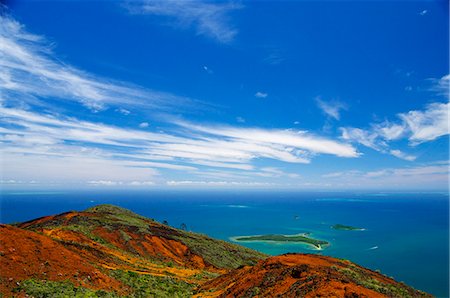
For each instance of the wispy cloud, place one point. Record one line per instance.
(76, 166)
(207, 69)
(30, 72)
(364, 137)
(331, 108)
(120, 183)
(57, 143)
(276, 172)
(417, 126)
(217, 183)
(295, 146)
(422, 176)
(123, 111)
(260, 94)
(441, 86)
(239, 119)
(208, 18)
(390, 131)
(427, 125)
(402, 155)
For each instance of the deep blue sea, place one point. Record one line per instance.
(406, 236)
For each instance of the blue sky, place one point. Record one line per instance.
(147, 94)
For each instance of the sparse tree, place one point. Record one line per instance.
(165, 222)
(183, 227)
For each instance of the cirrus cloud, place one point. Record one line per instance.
(210, 19)
(31, 72)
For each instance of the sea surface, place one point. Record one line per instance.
(406, 235)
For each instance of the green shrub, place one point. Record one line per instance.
(144, 285)
(62, 289)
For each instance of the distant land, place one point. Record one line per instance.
(108, 251)
(347, 228)
(299, 238)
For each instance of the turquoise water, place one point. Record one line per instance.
(406, 236)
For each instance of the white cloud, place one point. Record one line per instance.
(427, 172)
(390, 131)
(429, 124)
(30, 71)
(83, 150)
(291, 143)
(441, 86)
(240, 119)
(260, 94)
(120, 183)
(364, 137)
(418, 126)
(331, 108)
(161, 165)
(275, 57)
(276, 172)
(70, 167)
(123, 111)
(229, 165)
(351, 173)
(423, 12)
(104, 182)
(217, 183)
(427, 176)
(141, 183)
(143, 125)
(207, 69)
(210, 19)
(402, 155)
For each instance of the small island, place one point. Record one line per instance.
(298, 238)
(346, 228)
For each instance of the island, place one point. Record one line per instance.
(346, 228)
(298, 238)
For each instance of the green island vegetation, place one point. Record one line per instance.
(346, 228)
(301, 238)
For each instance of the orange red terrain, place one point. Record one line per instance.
(26, 254)
(86, 248)
(304, 275)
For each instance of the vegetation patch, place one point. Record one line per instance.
(55, 289)
(220, 254)
(359, 277)
(144, 285)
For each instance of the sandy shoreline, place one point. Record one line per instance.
(307, 234)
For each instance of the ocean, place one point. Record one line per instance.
(406, 235)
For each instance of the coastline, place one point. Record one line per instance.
(318, 247)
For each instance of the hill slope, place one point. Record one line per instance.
(303, 275)
(110, 251)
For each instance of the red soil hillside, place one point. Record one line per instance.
(26, 254)
(303, 275)
(117, 233)
(99, 248)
